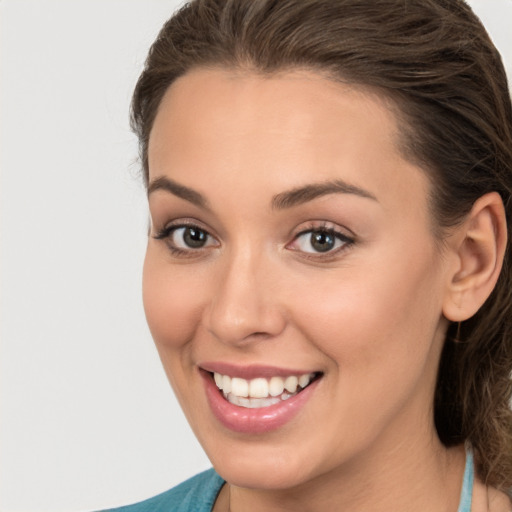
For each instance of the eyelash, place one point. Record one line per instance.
(346, 241)
(166, 233)
(325, 229)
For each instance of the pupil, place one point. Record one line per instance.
(322, 241)
(194, 237)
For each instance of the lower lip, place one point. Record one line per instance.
(254, 421)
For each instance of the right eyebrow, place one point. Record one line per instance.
(181, 191)
(311, 191)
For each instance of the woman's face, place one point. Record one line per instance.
(290, 241)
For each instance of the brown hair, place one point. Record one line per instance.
(434, 59)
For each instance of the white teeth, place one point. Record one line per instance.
(260, 392)
(218, 380)
(276, 386)
(291, 383)
(252, 403)
(258, 388)
(239, 387)
(304, 380)
(226, 384)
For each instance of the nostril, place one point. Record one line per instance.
(259, 334)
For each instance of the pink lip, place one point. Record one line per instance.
(254, 421)
(251, 371)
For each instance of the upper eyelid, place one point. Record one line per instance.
(346, 239)
(184, 223)
(320, 225)
(325, 229)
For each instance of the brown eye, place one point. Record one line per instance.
(318, 241)
(186, 237)
(193, 237)
(322, 241)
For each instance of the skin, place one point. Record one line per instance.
(368, 315)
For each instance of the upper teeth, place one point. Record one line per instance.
(261, 387)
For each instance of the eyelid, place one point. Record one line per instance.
(340, 233)
(171, 226)
(166, 233)
(323, 225)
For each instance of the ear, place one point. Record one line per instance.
(478, 246)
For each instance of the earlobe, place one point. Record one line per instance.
(479, 247)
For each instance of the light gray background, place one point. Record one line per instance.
(87, 417)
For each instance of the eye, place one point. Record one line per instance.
(189, 237)
(320, 240)
(186, 238)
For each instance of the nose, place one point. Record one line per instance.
(244, 304)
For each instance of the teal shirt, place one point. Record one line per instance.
(198, 494)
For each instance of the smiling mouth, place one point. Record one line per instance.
(262, 392)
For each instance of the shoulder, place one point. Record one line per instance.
(196, 494)
(489, 499)
(498, 501)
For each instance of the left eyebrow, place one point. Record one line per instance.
(175, 188)
(301, 195)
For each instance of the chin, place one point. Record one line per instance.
(270, 474)
(270, 462)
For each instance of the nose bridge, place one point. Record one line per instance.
(243, 304)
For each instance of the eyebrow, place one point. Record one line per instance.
(181, 191)
(282, 201)
(312, 191)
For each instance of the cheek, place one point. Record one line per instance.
(171, 302)
(380, 318)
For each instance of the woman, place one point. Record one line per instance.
(328, 277)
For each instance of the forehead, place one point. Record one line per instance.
(289, 104)
(287, 128)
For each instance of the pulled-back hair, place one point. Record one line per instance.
(434, 60)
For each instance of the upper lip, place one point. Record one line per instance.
(251, 371)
